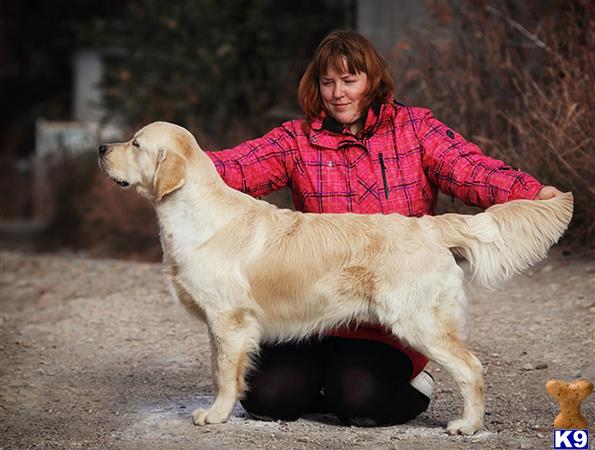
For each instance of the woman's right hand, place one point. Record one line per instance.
(547, 192)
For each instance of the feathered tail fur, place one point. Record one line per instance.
(508, 238)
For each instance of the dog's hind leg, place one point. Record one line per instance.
(438, 336)
(448, 351)
(233, 335)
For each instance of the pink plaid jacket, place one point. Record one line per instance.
(395, 164)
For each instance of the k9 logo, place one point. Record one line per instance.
(573, 439)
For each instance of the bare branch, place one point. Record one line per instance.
(517, 26)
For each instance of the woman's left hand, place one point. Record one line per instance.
(547, 192)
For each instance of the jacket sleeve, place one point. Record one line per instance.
(460, 169)
(259, 166)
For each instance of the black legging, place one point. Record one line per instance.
(364, 382)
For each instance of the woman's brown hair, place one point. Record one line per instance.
(338, 51)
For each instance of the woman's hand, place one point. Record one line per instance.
(547, 192)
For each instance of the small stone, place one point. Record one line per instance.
(547, 269)
(541, 366)
(587, 372)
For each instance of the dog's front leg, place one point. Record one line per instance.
(233, 334)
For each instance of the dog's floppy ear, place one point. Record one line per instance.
(170, 174)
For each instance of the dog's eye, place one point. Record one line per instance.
(135, 143)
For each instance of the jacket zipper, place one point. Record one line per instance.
(383, 168)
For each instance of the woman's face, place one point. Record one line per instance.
(342, 94)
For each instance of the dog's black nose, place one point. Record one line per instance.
(102, 149)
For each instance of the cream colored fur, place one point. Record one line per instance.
(257, 273)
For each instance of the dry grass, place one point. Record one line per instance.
(117, 223)
(93, 214)
(516, 78)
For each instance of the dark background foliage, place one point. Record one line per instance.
(514, 77)
(210, 65)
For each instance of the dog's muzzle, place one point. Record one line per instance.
(101, 151)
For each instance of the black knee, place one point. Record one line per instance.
(285, 380)
(367, 383)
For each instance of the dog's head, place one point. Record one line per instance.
(153, 161)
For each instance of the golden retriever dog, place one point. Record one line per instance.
(255, 273)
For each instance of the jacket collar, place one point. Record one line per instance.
(327, 132)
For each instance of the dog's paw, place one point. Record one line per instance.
(463, 426)
(205, 416)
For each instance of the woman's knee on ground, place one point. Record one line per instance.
(284, 382)
(367, 383)
(361, 400)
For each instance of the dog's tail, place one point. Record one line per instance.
(508, 238)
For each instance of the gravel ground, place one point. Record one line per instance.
(93, 353)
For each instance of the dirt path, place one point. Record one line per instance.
(93, 353)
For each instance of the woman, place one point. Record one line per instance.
(358, 150)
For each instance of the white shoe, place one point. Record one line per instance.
(424, 383)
